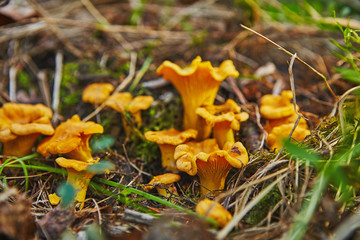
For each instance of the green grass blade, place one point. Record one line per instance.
(154, 198)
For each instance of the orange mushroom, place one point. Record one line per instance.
(224, 119)
(124, 102)
(21, 125)
(281, 119)
(213, 210)
(97, 93)
(164, 184)
(276, 107)
(167, 141)
(271, 123)
(211, 164)
(198, 85)
(71, 138)
(278, 133)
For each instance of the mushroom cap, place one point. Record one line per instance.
(187, 155)
(275, 107)
(68, 136)
(172, 71)
(229, 112)
(276, 135)
(167, 178)
(97, 92)
(74, 164)
(140, 103)
(119, 101)
(270, 124)
(124, 101)
(197, 84)
(213, 210)
(170, 136)
(17, 119)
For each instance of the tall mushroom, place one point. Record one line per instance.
(124, 102)
(72, 139)
(198, 85)
(210, 163)
(21, 125)
(224, 119)
(167, 141)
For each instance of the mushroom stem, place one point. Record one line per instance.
(193, 121)
(211, 179)
(167, 191)
(21, 146)
(223, 133)
(137, 117)
(167, 156)
(82, 152)
(80, 181)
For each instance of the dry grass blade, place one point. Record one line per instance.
(237, 217)
(291, 54)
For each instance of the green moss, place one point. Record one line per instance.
(260, 211)
(23, 80)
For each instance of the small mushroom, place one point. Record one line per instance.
(224, 119)
(54, 199)
(211, 164)
(78, 177)
(21, 125)
(167, 141)
(281, 119)
(97, 93)
(214, 211)
(278, 133)
(164, 184)
(198, 85)
(124, 102)
(71, 138)
(276, 107)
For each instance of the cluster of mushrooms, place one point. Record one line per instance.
(205, 146)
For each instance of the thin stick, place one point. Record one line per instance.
(57, 83)
(291, 54)
(12, 83)
(44, 87)
(120, 87)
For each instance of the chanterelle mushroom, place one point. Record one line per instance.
(278, 133)
(213, 210)
(124, 102)
(97, 93)
(167, 141)
(281, 118)
(224, 119)
(164, 184)
(78, 176)
(21, 125)
(210, 163)
(198, 85)
(275, 107)
(71, 138)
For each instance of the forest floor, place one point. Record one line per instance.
(82, 42)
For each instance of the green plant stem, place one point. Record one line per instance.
(9, 163)
(140, 73)
(154, 198)
(120, 198)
